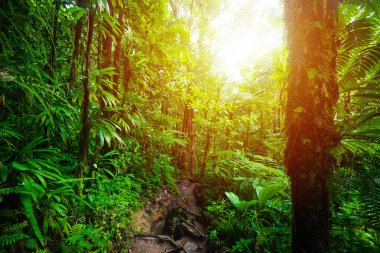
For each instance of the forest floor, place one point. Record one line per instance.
(172, 222)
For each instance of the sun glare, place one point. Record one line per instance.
(245, 31)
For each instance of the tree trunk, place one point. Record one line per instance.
(248, 131)
(182, 150)
(84, 133)
(165, 106)
(127, 73)
(312, 93)
(229, 129)
(192, 143)
(186, 157)
(347, 102)
(207, 146)
(117, 52)
(106, 62)
(174, 8)
(106, 56)
(53, 42)
(77, 36)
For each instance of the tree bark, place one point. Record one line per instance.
(312, 93)
(84, 133)
(77, 36)
(53, 42)
(186, 158)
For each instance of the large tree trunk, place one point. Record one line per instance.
(312, 93)
(84, 133)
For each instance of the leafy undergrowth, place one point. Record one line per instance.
(96, 222)
(253, 214)
(41, 211)
(250, 211)
(108, 226)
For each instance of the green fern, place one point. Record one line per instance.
(13, 190)
(85, 237)
(29, 213)
(31, 244)
(15, 227)
(76, 233)
(10, 239)
(12, 234)
(359, 75)
(371, 201)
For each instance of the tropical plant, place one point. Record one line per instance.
(261, 214)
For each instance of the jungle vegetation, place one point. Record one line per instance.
(103, 102)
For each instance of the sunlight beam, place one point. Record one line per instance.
(245, 31)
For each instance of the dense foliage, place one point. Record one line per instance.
(104, 102)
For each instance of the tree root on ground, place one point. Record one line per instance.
(189, 211)
(193, 227)
(177, 247)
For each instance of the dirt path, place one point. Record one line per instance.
(171, 224)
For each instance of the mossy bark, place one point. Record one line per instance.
(312, 94)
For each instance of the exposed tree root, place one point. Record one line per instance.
(193, 227)
(177, 247)
(187, 210)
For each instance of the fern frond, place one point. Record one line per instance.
(357, 122)
(14, 190)
(84, 236)
(29, 213)
(357, 34)
(15, 227)
(367, 96)
(8, 214)
(76, 233)
(31, 244)
(359, 53)
(10, 239)
(371, 201)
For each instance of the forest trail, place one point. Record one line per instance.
(172, 223)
